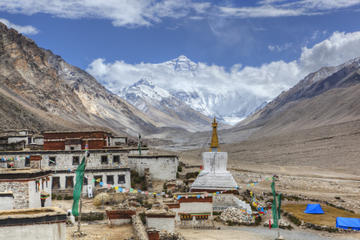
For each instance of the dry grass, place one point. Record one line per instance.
(327, 219)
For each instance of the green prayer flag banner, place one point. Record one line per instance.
(78, 187)
(274, 206)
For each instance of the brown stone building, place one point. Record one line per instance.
(76, 140)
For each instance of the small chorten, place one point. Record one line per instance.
(214, 176)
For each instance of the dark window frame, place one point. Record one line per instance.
(104, 159)
(96, 182)
(116, 159)
(58, 181)
(27, 161)
(121, 179)
(52, 161)
(108, 177)
(86, 182)
(74, 162)
(72, 182)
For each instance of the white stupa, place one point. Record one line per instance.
(214, 176)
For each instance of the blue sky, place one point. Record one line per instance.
(247, 41)
(218, 39)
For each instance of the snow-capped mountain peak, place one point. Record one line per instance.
(144, 82)
(163, 106)
(146, 90)
(182, 64)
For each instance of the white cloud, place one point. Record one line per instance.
(280, 48)
(328, 4)
(260, 11)
(337, 49)
(134, 13)
(266, 81)
(281, 8)
(28, 29)
(129, 13)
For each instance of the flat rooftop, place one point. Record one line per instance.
(22, 173)
(31, 216)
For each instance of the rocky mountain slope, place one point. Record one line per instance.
(322, 100)
(311, 129)
(163, 107)
(328, 96)
(39, 90)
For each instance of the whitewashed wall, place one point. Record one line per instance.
(120, 221)
(167, 224)
(64, 159)
(38, 141)
(91, 175)
(17, 139)
(34, 196)
(196, 207)
(6, 202)
(160, 167)
(54, 231)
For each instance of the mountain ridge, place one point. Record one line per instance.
(327, 96)
(54, 89)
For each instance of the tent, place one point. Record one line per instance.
(314, 209)
(348, 223)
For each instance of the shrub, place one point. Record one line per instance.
(142, 217)
(68, 197)
(59, 197)
(191, 175)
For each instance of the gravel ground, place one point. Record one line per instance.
(261, 233)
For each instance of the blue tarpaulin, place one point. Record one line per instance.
(348, 223)
(314, 209)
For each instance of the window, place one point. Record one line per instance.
(116, 159)
(104, 159)
(97, 181)
(110, 179)
(121, 179)
(72, 148)
(85, 181)
(27, 162)
(52, 161)
(76, 160)
(69, 182)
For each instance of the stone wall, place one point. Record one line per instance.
(64, 159)
(223, 201)
(27, 192)
(139, 229)
(161, 167)
(20, 191)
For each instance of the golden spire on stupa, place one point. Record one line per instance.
(214, 138)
